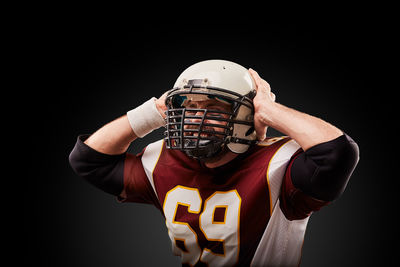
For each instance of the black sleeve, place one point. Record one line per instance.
(324, 170)
(101, 170)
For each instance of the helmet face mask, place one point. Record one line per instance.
(203, 132)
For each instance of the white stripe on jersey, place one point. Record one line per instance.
(282, 240)
(150, 158)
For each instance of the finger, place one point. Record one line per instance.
(262, 134)
(261, 130)
(164, 95)
(261, 84)
(252, 72)
(273, 96)
(256, 77)
(265, 84)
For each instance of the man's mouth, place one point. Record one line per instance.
(196, 134)
(202, 135)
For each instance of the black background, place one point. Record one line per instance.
(89, 71)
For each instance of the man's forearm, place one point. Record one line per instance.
(307, 130)
(113, 138)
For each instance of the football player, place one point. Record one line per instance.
(230, 195)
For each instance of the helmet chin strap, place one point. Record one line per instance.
(208, 149)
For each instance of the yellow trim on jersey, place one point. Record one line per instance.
(219, 206)
(217, 254)
(238, 227)
(184, 244)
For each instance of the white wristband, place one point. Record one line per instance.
(145, 118)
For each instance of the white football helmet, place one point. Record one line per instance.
(222, 80)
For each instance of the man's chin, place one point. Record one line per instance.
(216, 157)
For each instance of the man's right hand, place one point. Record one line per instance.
(160, 104)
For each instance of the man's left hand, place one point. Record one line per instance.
(263, 100)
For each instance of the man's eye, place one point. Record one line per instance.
(212, 114)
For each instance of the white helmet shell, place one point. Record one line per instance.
(219, 73)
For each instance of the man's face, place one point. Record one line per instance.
(211, 105)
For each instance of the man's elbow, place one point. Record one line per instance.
(103, 171)
(324, 170)
(334, 174)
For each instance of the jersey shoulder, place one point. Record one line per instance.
(260, 154)
(274, 140)
(269, 146)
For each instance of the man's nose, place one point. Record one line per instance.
(199, 116)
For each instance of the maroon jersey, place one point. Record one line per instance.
(246, 212)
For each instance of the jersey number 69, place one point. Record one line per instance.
(225, 231)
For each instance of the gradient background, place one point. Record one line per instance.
(98, 71)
